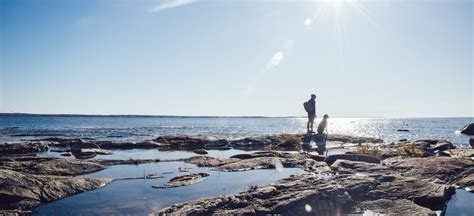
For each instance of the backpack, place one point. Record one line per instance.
(306, 106)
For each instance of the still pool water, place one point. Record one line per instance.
(461, 204)
(138, 198)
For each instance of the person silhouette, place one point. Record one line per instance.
(310, 107)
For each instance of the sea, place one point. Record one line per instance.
(139, 128)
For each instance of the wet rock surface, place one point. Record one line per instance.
(389, 207)
(200, 151)
(468, 129)
(23, 191)
(352, 157)
(183, 180)
(233, 164)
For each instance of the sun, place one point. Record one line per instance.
(337, 3)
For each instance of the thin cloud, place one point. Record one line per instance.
(170, 4)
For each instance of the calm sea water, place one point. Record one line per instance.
(14, 128)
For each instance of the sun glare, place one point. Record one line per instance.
(337, 3)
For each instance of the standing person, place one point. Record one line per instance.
(310, 107)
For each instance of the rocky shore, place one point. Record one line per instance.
(409, 177)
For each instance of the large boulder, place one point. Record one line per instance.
(26, 191)
(468, 129)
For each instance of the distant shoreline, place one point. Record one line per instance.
(134, 116)
(178, 116)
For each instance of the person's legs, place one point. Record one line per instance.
(310, 123)
(307, 125)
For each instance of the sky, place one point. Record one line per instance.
(237, 58)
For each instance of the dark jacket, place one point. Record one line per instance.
(312, 105)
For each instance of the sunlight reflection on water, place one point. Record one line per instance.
(142, 128)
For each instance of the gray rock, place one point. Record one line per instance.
(447, 170)
(206, 161)
(183, 180)
(258, 154)
(26, 191)
(352, 157)
(200, 151)
(190, 143)
(52, 166)
(24, 147)
(249, 164)
(443, 146)
(394, 207)
(468, 129)
(233, 164)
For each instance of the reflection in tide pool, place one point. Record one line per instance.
(137, 196)
(461, 203)
(153, 154)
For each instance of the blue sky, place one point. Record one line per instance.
(180, 57)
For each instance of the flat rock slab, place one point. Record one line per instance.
(352, 157)
(183, 180)
(206, 161)
(97, 151)
(190, 143)
(52, 166)
(200, 151)
(233, 164)
(447, 170)
(26, 191)
(249, 164)
(24, 147)
(394, 207)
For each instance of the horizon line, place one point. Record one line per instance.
(195, 116)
